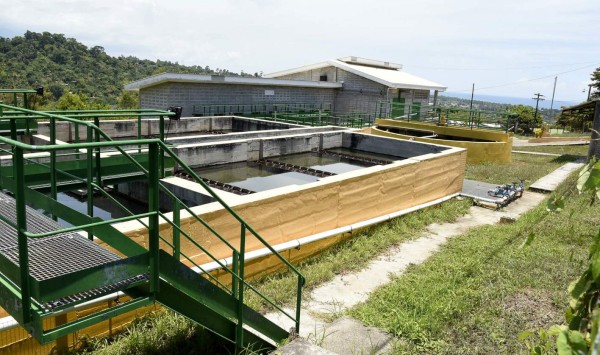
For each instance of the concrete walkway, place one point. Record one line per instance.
(536, 153)
(524, 143)
(551, 181)
(347, 290)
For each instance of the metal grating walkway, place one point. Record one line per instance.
(52, 256)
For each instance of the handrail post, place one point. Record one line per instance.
(13, 136)
(139, 131)
(21, 213)
(53, 182)
(299, 303)
(176, 232)
(153, 205)
(90, 177)
(239, 332)
(26, 105)
(161, 155)
(98, 169)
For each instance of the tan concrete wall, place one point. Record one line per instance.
(324, 205)
(498, 149)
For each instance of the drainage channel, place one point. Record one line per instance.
(357, 157)
(218, 185)
(295, 168)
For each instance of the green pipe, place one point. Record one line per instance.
(89, 225)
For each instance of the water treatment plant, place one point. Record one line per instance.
(111, 213)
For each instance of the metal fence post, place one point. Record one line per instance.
(153, 236)
(21, 213)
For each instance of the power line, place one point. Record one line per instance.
(534, 79)
(494, 68)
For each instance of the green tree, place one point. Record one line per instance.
(128, 100)
(595, 84)
(526, 120)
(70, 101)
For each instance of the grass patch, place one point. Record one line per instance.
(354, 253)
(163, 332)
(523, 166)
(172, 333)
(557, 149)
(483, 289)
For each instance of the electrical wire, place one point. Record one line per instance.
(529, 80)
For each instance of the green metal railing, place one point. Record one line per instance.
(449, 116)
(155, 152)
(258, 110)
(307, 114)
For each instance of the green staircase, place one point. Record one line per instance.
(45, 269)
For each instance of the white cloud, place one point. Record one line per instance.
(269, 35)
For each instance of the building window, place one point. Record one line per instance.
(323, 77)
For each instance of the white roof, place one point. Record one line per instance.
(218, 79)
(393, 77)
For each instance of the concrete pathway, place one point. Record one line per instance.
(536, 153)
(347, 290)
(551, 181)
(524, 143)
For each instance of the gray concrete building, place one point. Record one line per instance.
(345, 86)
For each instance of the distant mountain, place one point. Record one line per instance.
(62, 64)
(510, 100)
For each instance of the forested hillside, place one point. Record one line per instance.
(64, 65)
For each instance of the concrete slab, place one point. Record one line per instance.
(479, 190)
(536, 153)
(349, 336)
(551, 181)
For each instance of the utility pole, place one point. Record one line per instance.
(471, 106)
(553, 91)
(538, 97)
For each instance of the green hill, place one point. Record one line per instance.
(64, 65)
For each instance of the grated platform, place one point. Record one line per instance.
(51, 256)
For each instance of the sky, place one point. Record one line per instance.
(509, 48)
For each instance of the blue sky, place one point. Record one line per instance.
(501, 46)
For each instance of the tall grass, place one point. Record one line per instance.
(484, 288)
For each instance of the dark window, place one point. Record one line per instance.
(323, 77)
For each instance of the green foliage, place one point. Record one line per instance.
(70, 101)
(62, 64)
(595, 84)
(581, 334)
(526, 117)
(128, 100)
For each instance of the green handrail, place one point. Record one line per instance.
(155, 147)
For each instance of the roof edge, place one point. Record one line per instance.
(219, 79)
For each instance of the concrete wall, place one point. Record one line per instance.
(498, 147)
(65, 131)
(187, 95)
(213, 153)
